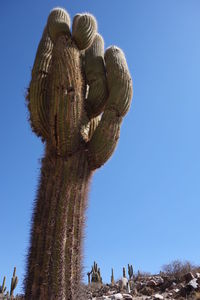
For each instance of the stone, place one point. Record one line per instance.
(188, 276)
(193, 283)
(124, 284)
(158, 296)
(117, 296)
(146, 290)
(127, 297)
(152, 283)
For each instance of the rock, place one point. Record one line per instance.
(147, 291)
(117, 296)
(127, 297)
(193, 283)
(111, 292)
(158, 296)
(124, 284)
(159, 280)
(188, 276)
(152, 283)
(139, 286)
(186, 290)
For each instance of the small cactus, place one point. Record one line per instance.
(88, 274)
(124, 272)
(112, 277)
(96, 274)
(2, 287)
(14, 282)
(130, 271)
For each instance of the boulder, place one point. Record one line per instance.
(117, 296)
(158, 296)
(188, 276)
(152, 283)
(127, 297)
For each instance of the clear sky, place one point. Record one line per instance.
(144, 204)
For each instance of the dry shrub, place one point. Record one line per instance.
(178, 268)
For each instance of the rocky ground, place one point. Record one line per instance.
(148, 287)
(143, 287)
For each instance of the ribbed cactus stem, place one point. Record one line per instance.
(66, 96)
(55, 258)
(119, 81)
(96, 77)
(58, 23)
(84, 29)
(37, 94)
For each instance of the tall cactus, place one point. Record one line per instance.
(77, 98)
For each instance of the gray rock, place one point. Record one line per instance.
(158, 296)
(193, 283)
(152, 283)
(188, 276)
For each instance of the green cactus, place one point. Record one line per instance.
(112, 277)
(14, 282)
(96, 274)
(77, 98)
(130, 271)
(3, 287)
(89, 274)
(124, 272)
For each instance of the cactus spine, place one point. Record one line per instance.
(77, 98)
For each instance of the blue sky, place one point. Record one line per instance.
(144, 203)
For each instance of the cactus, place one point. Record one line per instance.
(112, 277)
(88, 274)
(3, 287)
(77, 98)
(14, 282)
(130, 271)
(96, 274)
(124, 272)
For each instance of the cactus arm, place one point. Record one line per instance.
(37, 92)
(105, 138)
(57, 24)
(96, 78)
(119, 81)
(84, 29)
(89, 127)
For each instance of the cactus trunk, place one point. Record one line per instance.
(54, 265)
